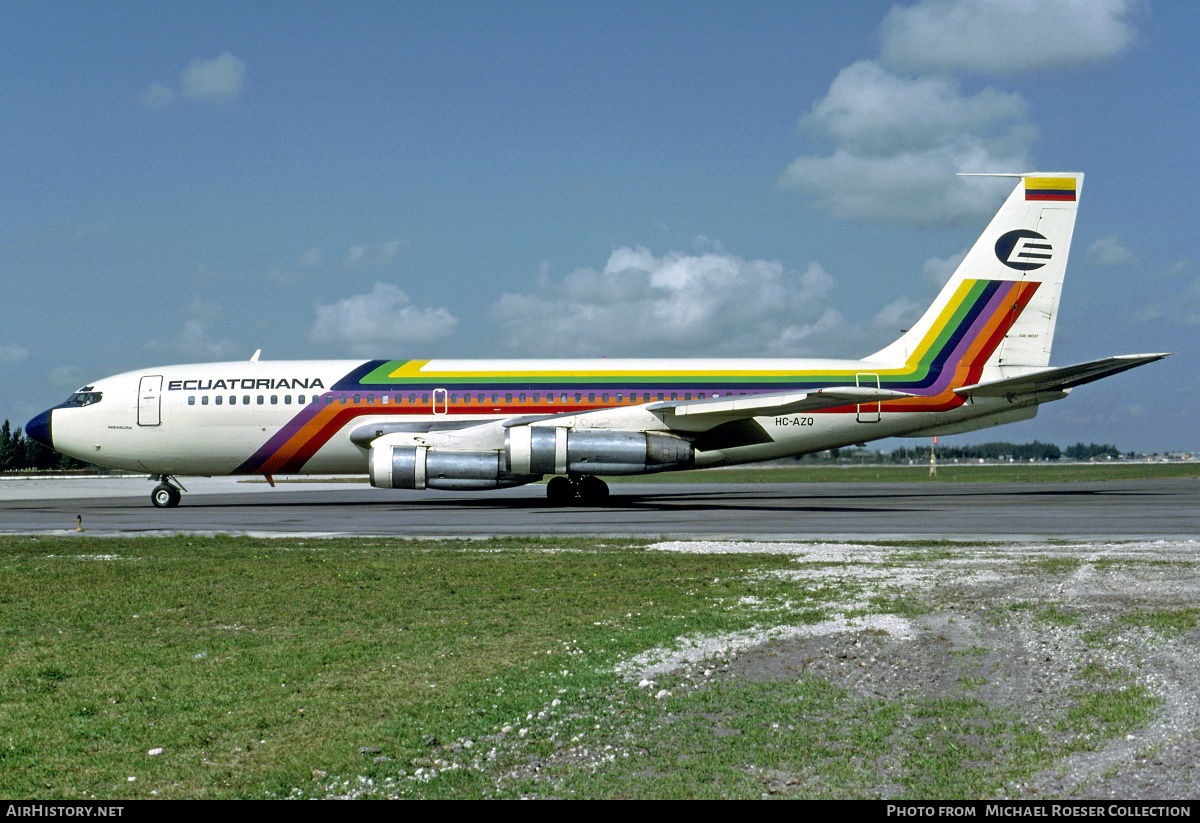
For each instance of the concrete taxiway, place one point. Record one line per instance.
(1112, 510)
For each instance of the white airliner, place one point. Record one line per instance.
(977, 358)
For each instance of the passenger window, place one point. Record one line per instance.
(299, 400)
(218, 399)
(274, 400)
(591, 397)
(383, 399)
(343, 399)
(357, 399)
(287, 400)
(245, 400)
(522, 396)
(260, 400)
(191, 400)
(605, 397)
(204, 400)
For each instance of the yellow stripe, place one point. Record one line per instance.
(1054, 183)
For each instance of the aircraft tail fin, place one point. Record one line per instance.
(999, 307)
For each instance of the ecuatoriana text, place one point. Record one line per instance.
(248, 384)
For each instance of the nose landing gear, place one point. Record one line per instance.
(167, 493)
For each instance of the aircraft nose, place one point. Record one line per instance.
(39, 429)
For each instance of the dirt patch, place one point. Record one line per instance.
(1031, 636)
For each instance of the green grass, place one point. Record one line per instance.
(261, 668)
(253, 663)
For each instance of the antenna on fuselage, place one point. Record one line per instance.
(254, 357)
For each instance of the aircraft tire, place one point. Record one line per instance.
(560, 491)
(165, 497)
(592, 491)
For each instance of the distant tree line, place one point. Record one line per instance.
(1092, 450)
(20, 453)
(1021, 452)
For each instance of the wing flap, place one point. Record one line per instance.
(778, 402)
(1067, 377)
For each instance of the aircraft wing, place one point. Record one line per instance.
(1059, 379)
(778, 402)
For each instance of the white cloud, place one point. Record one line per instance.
(938, 270)
(900, 127)
(196, 339)
(1108, 251)
(871, 111)
(1182, 308)
(896, 317)
(218, 80)
(310, 258)
(1005, 36)
(67, 376)
(899, 143)
(13, 353)
(158, 96)
(713, 304)
(214, 81)
(1179, 267)
(380, 255)
(367, 324)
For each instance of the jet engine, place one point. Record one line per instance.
(557, 450)
(528, 453)
(420, 467)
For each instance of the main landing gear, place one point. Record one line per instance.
(583, 489)
(167, 493)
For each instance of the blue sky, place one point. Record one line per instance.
(190, 182)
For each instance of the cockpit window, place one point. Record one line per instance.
(84, 398)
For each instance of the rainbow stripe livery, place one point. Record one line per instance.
(978, 357)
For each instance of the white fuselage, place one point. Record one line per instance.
(299, 416)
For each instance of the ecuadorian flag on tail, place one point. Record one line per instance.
(1050, 188)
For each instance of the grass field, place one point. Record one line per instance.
(240, 668)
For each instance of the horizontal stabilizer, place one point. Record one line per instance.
(779, 402)
(1058, 379)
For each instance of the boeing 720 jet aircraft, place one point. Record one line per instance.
(977, 358)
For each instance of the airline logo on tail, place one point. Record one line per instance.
(1023, 250)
